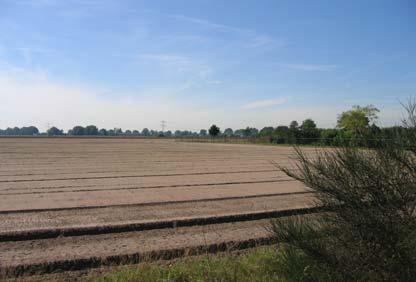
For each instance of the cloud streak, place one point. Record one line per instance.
(254, 38)
(164, 58)
(311, 67)
(211, 25)
(264, 103)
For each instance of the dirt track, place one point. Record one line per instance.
(71, 183)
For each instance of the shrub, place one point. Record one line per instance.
(368, 231)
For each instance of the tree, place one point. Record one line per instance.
(308, 131)
(102, 132)
(14, 131)
(410, 108)
(228, 132)
(29, 130)
(266, 131)
(330, 136)
(250, 131)
(358, 119)
(78, 130)
(203, 132)
(145, 132)
(281, 130)
(239, 132)
(294, 131)
(53, 131)
(214, 130)
(294, 125)
(282, 134)
(308, 125)
(118, 131)
(246, 132)
(91, 130)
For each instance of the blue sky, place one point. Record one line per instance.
(131, 64)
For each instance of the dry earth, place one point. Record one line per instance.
(67, 200)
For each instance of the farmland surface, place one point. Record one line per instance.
(74, 203)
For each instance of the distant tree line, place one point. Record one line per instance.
(92, 130)
(357, 124)
(16, 131)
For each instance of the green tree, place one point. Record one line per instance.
(203, 132)
(91, 130)
(250, 131)
(308, 125)
(53, 131)
(294, 125)
(266, 131)
(330, 136)
(281, 134)
(145, 132)
(118, 131)
(239, 132)
(78, 130)
(358, 119)
(228, 132)
(214, 130)
(29, 130)
(308, 131)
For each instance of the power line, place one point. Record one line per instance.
(163, 124)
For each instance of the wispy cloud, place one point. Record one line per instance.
(190, 70)
(261, 40)
(176, 62)
(311, 67)
(211, 25)
(184, 38)
(161, 57)
(214, 81)
(252, 38)
(264, 103)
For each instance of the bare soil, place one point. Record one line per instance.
(48, 183)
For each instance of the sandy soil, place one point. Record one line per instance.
(129, 214)
(41, 251)
(70, 173)
(50, 183)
